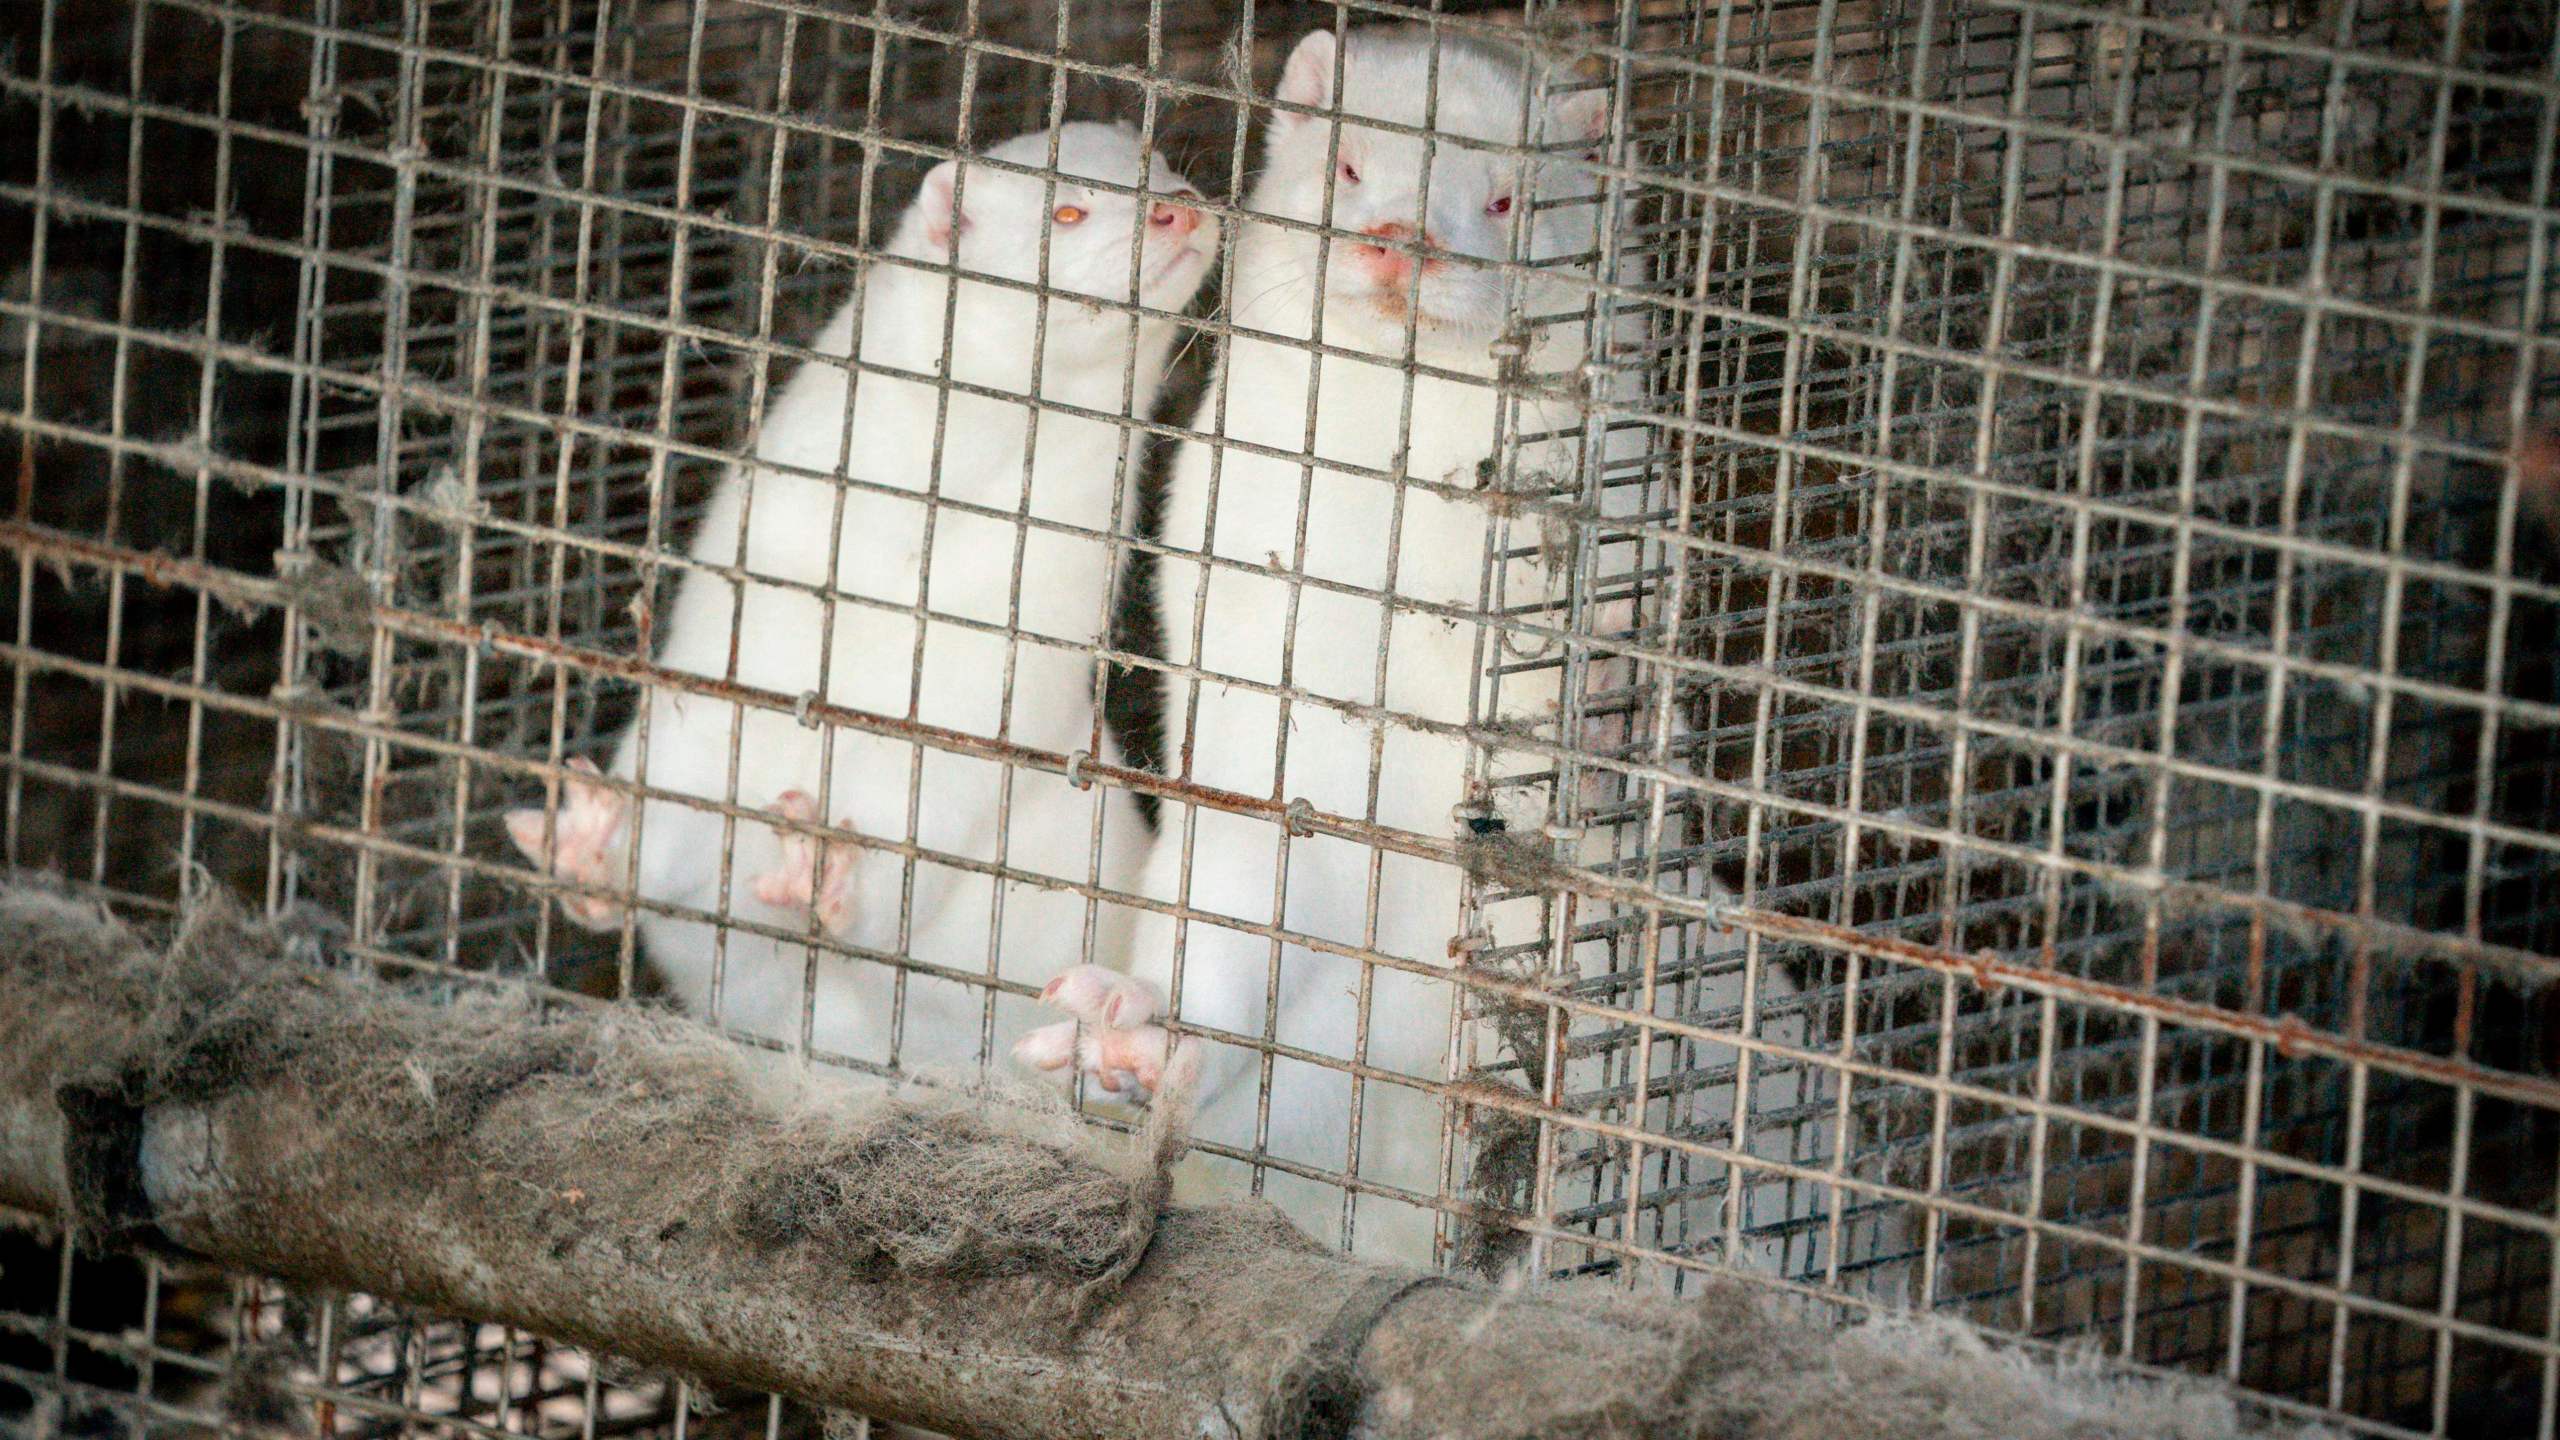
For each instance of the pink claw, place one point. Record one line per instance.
(803, 881)
(582, 843)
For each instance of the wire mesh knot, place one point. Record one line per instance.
(1300, 816)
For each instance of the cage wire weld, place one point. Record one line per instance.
(1908, 649)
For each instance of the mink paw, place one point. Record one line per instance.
(806, 879)
(583, 844)
(1112, 1038)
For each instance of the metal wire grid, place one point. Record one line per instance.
(1844, 645)
(1959, 310)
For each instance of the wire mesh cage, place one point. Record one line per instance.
(2027, 787)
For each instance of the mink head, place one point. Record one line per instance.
(990, 221)
(1504, 163)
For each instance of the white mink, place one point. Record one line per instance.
(832, 576)
(1420, 547)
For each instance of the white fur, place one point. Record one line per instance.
(1441, 551)
(869, 544)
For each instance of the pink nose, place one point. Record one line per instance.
(1174, 220)
(1390, 264)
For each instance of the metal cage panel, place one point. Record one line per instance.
(2054, 816)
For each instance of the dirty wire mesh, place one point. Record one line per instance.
(2055, 815)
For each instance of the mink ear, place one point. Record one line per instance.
(1580, 117)
(942, 219)
(1308, 77)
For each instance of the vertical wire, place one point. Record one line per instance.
(1969, 639)
(1373, 883)
(1758, 868)
(199, 659)
(1178, 760)
(23, 508)
(408, 148)
(1033, 397)
(119, 405)
(574, 380)
(744, 473)
(483, 200)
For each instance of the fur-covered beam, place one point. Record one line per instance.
(623, 1181)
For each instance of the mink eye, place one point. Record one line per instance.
(1498, 205)
(1068, 215)
(1350, 173)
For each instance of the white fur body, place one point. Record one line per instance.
(1390, 545)
(828, 603)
